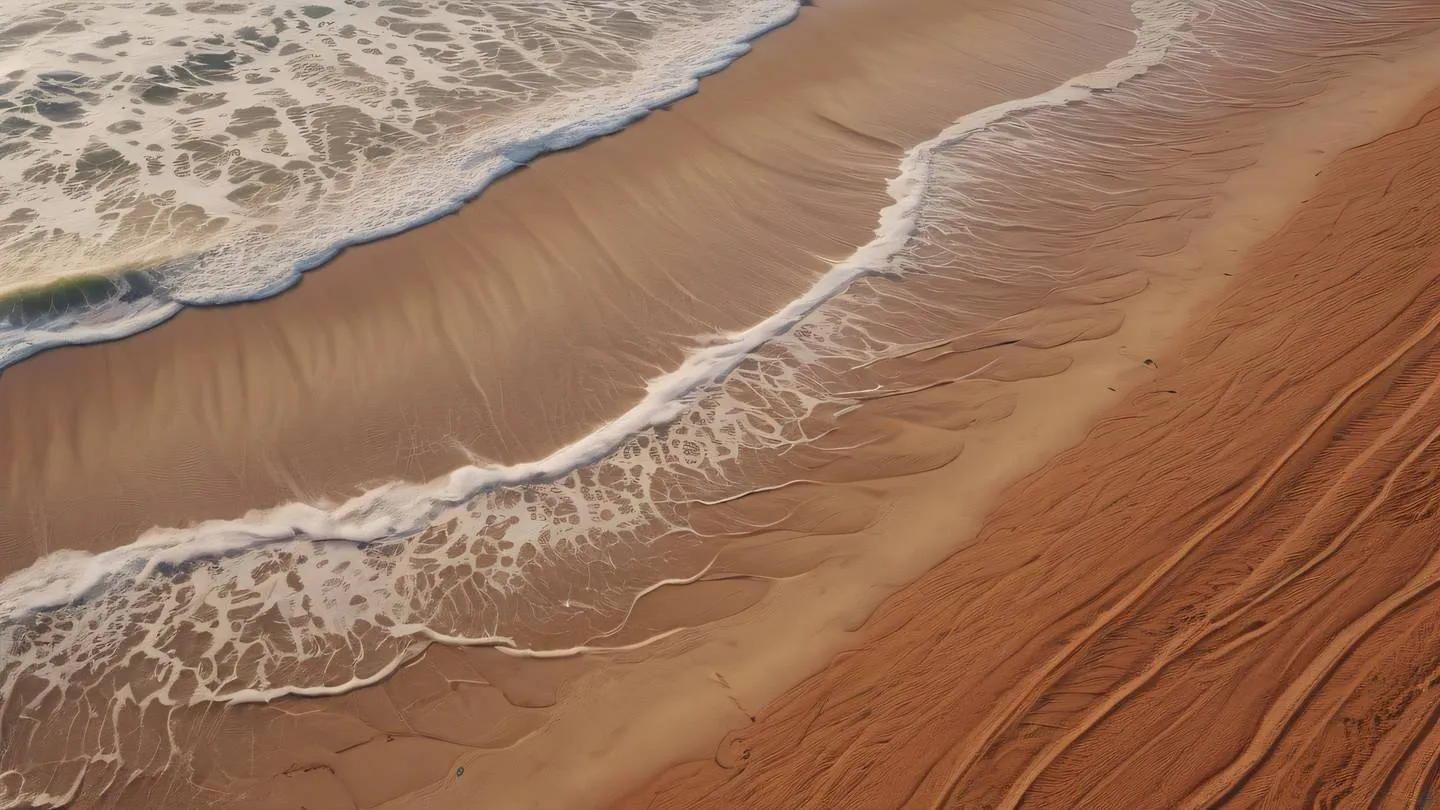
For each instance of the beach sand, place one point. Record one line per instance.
(1149, 529)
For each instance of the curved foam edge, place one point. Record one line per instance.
(396, 511)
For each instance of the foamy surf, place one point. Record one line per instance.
(400, 510)
(260, 140)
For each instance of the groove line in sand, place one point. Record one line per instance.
(1034, 684)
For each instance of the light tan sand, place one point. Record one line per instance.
(537, 312)
(986, 664)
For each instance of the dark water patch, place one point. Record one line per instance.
(200, 101)
(210, 7)
(59, 111)
(16, 127)
(98, 158)
(113, 40)
(75, 296)
(214, 66)
(17, 34)
(163, 85)
(251, 36)
(62, 78)
(159, 94)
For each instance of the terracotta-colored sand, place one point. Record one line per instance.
(540, 310)
(1225, 594)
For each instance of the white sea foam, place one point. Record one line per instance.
(174, 149)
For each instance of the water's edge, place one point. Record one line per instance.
(96, 308)
(400, 510)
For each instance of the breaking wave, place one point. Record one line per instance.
(157, 155)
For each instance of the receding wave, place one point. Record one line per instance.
(99, 653)
(215, 151)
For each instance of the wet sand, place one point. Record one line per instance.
(1225, 594)
(412, 356)
(1175, 518)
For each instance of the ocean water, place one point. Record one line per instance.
(316, 599)
(158, 154)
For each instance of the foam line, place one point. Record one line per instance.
(397, 511)
(252, 259)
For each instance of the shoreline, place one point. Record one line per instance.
(53, 522)
(407, 510)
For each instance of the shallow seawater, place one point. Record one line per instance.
(223, 147)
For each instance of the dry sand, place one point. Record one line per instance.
(1224, 578)
(412, 356)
